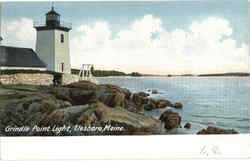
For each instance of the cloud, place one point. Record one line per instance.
(19, 33)
(147, 47)
(101, 33)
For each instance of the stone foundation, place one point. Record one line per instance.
(40, 79)
(32, 79)
(69, 78)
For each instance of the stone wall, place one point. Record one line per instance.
(69, 78)
(33, 79)
(40, 79)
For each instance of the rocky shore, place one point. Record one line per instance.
(216, 130)
(83, 108)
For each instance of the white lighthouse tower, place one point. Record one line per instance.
(52, 42)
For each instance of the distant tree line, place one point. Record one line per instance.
(101, 73)
(135, 74)
(239, 74)
(106, 73)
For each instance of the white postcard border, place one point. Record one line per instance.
(126, 147)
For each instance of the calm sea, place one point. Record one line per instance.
(217, 101)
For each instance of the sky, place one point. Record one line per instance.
(148, 37)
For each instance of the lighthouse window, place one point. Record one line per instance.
(62, 38)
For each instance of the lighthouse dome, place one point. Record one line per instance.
(53, 12)
(53, 18)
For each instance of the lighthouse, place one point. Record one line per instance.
(52, 42)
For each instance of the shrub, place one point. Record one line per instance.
(100, 73)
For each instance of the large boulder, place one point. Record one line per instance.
(172, 120)
(150, 104)
(216, 130)
(163, 103)
(75, 96)
(132, 122)
(131, 106)
(84, 85)
(85, 92)
(112, 95)
(82, 97)
(138, 100)
(64, 104)
(143, 94)
(65, 116)
(187, 126)
(127, 93)
(25, 109)
(154, 91)
(98, 114)
(61, 93)
(177, 106)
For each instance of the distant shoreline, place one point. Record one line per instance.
(226, 74)
(202, 75)
(116, 74)
(123, 77)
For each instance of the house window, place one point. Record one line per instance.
(62, 38)
(62, 66)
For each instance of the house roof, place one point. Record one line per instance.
(19, 57)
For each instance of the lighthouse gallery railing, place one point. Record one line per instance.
(43, 24)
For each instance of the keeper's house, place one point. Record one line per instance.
(15, 58)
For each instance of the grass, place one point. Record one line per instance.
(23, 87)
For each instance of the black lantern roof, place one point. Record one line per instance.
(52, 12)
(52, 22)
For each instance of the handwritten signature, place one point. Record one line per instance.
(210, 150)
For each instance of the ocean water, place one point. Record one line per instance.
(217, 101)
